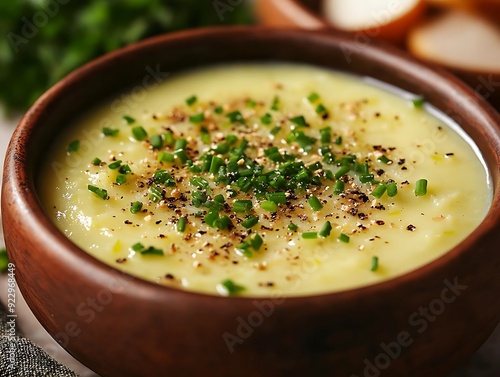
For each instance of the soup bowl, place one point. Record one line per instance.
(422, 323)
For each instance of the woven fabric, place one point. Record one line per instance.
(21, 358)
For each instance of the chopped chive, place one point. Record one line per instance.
(235, 116)
(250, 222)
(275, 130)
(217, 162)
(257, 241)
(392, 189)
(152, 251)
(231, 139)
(200, 183)
(4, 260)
(163, 177)
(229, 288)
(310, 235)
(242, 205)
(344, 238)
(218, 110)
(128, 119)
(211, 217)
(181, 155)
(266, 119)
(222, 148)
(366, 178)
(180, 144)
(329, 174)
(384, 160)
(115, 165)
(313, 97)
(156, 141)
(223, 223)
(169, 137)
(251, 104)
(293, 227)
(191, 100)
(321, 109)
(418, 102)
(124, 169)
(155, 193)
(102, 193)
(96, 161)
(421, 187)
(277, 197)
(338, 140)
(299, 121)
(269, 205)
(342, 171)
(205, 136)
(314, 203)
(166, 157)
(379, 191)
(275, 104)
(198, 198)
(374, 264)
(197, 118)
(139, 133)
(181, 225)
(137, 247)
(121, 179)
(135, 207)
(74, 146)
(338, 187)
(326, 135)
(326, 229)
(106, 131)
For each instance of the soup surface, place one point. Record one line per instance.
(264, 179)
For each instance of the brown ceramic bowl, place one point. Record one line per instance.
(423, 323)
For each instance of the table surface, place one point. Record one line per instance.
(485, 363)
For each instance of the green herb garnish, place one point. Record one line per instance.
(421, 187)
(314, 203)
(135, 207)
(310, 235)
(102, 193)
(139, 133)
(128, 119)
(191, 100)
(74, 146)
(344, 238)
(229, 288)
(106, 131)
(181, 224)
(326, 229)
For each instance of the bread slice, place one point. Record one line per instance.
(458, 40)
(387, 19)
(466, 44)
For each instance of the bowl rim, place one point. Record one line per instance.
(16, 172)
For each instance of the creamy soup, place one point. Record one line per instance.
(265, 179)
